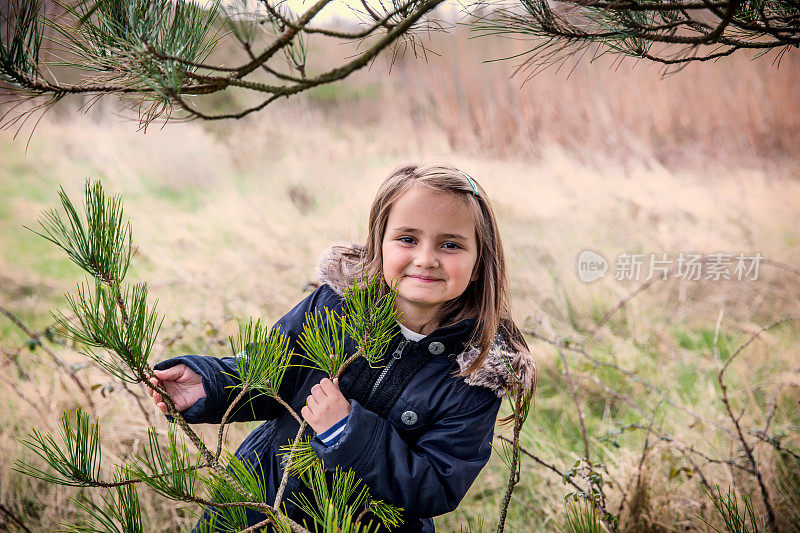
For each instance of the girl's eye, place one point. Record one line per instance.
(407, 240)
(451, 246)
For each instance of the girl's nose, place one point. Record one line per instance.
(426, 258)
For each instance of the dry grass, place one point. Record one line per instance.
(721, 115)
(229, 220)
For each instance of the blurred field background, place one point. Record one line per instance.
(229, 219)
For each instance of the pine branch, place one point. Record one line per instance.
(76, 461)
(520, 413)
(631, 28)
(302, 454)
(323, 340)
(173, 474)
(343, 505)
(230, 502)
(122, 325)
(154, 50)
(98, 242)
(288, 465)
(118, 329)
(262, 357)
(372, 316)
(108, 317)
(118, 513)
(20, 42)
(345, 496)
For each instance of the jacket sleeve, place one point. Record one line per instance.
(427, 478)
(221, 380)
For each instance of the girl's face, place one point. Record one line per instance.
(429, 249)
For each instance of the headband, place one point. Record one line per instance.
(472, 183)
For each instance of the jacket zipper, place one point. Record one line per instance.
(398, 353)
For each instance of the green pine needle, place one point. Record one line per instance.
(304, 456)
(583, 517)
(333, 500)
(262, 356)
(520, 406)
(338, 502)
(76, 461)
(109, 317)
(224, 520)
(114, 38)
(390, 515)
(323, 339)
(118, 513)
(250, 479)
(99, 324)
(371, 316)
(99, 241)
(505, 452)
(20, 42)
(170, 472)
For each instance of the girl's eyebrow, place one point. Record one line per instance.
(454, 236)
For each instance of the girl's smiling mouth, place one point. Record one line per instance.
(424, 279)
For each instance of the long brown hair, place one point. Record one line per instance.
(486, 298)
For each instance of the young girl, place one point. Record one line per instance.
(418, 430)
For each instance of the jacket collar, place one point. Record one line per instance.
(449, 339)
(338, 261)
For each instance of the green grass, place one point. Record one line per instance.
(702, 341)
(672, 350)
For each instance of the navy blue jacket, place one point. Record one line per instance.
(423, 461)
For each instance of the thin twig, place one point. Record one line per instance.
(288, 408)
(52, 355)
(619, 305)
(632, 377)
(288, 466)
(14, 518)
(748, 450)
(224, 420)
(545, 464)
(513, 476)
(347, 362)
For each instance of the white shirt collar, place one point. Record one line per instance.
(410, 335)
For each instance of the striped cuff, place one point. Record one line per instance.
(331, 435)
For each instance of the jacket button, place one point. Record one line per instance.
(409, 418)
(436, 348)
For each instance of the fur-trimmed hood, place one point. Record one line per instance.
(337, 264)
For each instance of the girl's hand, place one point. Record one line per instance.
(182, 383)
(325, 406)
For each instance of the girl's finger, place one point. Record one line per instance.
(170, 373)
(329, 387)
(312, 403)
